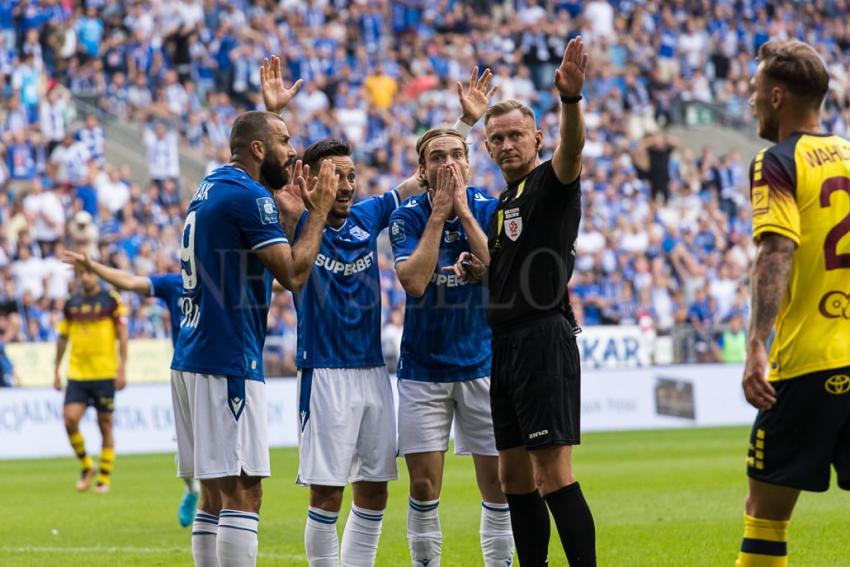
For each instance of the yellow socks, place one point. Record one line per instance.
(107, 458)
(765, 543)
(79, 446)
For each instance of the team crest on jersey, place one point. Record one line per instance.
(268, 212)
(359, 233)
(450, 236)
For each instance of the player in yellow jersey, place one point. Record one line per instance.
(94, 320)
(801, 292)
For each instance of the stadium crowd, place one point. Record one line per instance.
(665, 234)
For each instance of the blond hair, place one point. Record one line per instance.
(507, 106)
(438, 132)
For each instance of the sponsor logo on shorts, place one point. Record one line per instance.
(835, 305)
(838, 384)
(537, 434)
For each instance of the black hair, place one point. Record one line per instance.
(328, 147)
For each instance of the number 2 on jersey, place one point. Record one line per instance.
(187, 253)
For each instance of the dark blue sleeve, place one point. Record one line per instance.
(167, 287)
(483, 209)
(405, 232)
(376, 211)
(255, 213)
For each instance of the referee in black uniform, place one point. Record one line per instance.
(535, 374)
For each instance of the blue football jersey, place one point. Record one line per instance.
(226, 289)
(446, 337)
(169, 288)
(339, 308)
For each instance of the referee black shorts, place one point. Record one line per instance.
(806, 432)
(97, 393)
(535, 385)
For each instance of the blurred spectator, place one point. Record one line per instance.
(664, 241)
(163, 154)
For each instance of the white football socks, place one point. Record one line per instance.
(320, 538)
(497, 540)
(424, 535)
(236, 543)
(204, 530)
(360, 537)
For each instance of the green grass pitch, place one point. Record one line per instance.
(660, 498)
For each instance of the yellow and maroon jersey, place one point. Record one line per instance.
(801, 190)
(91, 324)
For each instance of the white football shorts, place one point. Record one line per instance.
(346, 426)
(221, 423)
(426, 411)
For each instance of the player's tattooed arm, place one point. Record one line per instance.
(769, 281)
(569, 80)
(415, 273)
(276, 96)
(770, 273)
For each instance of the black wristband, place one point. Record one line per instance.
(570, 99)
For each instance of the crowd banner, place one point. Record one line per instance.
(658, 397)
(148, 360)
(614, 347)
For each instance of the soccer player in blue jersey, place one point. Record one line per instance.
(169, 288)
(346, 409)
(445, 350)
(232, 245)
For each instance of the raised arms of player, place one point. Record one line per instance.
(769, 283)
(291, 265)
(119, 278)
(474, 99)
(569, 80)
(275, 94)
(415, 272)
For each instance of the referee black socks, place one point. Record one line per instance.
(575, 525)
(530, 524)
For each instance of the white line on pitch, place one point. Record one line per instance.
(137, 550)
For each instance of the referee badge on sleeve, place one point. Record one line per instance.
(513, 223)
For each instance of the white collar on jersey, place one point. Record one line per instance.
(342, 226)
